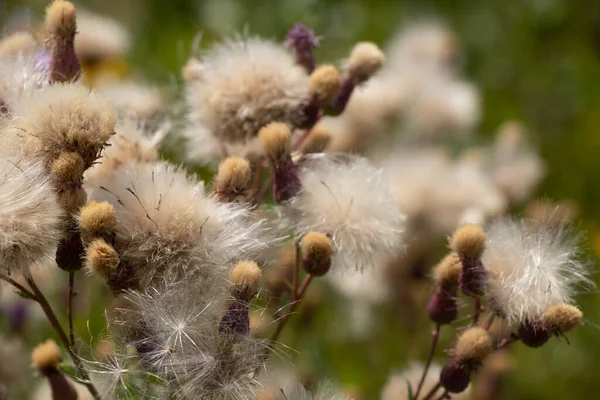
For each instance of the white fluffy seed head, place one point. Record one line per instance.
(134, 141)
(65, 118)
(531, 270)
(246, 84)
(347, 199)
(169, 225)
(99, 37)
(30, 216)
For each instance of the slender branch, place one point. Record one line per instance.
(477, 310)
(51, 316)
(70, 307)
(489, 322)
(507, 342)
(296, 298)
(18, 286)
(443, 395)
(436, 336)
(432, 392)
(296, 272)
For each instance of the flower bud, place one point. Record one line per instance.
(245, 277)
(364, 61)
(302, 40)
(468, 242)
(101, 258)
(62, 27)
(474, 344)
(67, 171)
(233, 180)
(325, 81)
(45, 358)
(97, 220)
(442, 306)
(447, 272)
(316, 250)
(317, 140)
(533, 333)
(562, 318)
(455, 376)
(275, 140)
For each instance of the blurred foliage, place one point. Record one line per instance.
(534, 60)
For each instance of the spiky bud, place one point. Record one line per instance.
(46, 357)
(447, 271)
(473, 345)
(364, 61)
(62, 27)
(455, 376)
(317, 140)
(97, 220)
(562, 318)
(533, 333)
(442, 307)
(468, 241)
(316, 250)
(245, 277)
(67, 171)
(101, 258)
(275, 140)
(233, 179)
(325, 81)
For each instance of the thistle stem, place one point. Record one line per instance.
(51, 316)
(432, 392)
(436, 336)
(70, 307)
(507, 342)
(477, 310)
(18, 286)
(489, 322)
(296, 298)
(443, 395)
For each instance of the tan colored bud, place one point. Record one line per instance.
(318, 139)
(67, 170)
(46, 355)
(316, 250)
(275, 140)
(97, 220)
(101, 258)
(446, 273)
(325, 81)
(469, 241)
(474, 344)
(61, 18)
(233, 179)
(245, 277)
(562, 318)
(365, 59)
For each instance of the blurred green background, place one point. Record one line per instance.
(534, 60)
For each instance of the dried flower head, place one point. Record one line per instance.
(562, 318)
(474, 344)
(365, 59)
(46, 355)
(447, 271)
(531, 270)
(245, 277)
(316, 250)
(97, 220)
(62, 27)
(101, 258)
(30, 216)
(65, 118)
(99, 37)
(347, 199)
(168, 225)
(275, 140)
(468, 241)
(233, 179)
(325, 81)
(245, 85)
